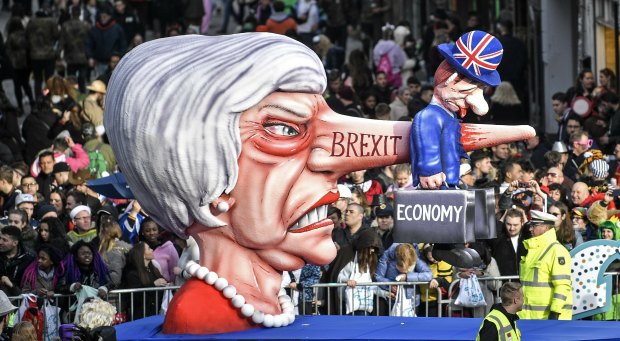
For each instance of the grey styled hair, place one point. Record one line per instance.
(172, 115)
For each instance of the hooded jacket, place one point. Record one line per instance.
(103, 40)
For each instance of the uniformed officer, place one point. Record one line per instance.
(501, 322)
(545, 272)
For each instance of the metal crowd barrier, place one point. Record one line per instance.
(453, 292)
(322, 301)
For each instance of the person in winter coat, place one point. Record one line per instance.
(141, 272)
(35, 128)
(165, 255)
(45, 273)
(401, 263)
(84, 266)
(17, 51)
(280, 21)
(103, 39)
(387, 47)
(42, 33)
(73, 35)
(113, 250)
(13, 260)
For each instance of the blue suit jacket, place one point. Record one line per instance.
(435, 144)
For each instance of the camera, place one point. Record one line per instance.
(524, 184)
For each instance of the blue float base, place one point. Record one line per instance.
(382, 328)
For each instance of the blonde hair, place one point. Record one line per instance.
(505, 94)
(402, 168)
(109, 232)
(97, 313)
(24, 331)
(405, 256)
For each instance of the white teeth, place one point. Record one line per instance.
(315, 215)
(304, 221)
(322, 212)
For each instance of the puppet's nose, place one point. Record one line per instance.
(347, 144)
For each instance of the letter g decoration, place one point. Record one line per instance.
(592, 289)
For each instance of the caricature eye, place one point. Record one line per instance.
(281, 129)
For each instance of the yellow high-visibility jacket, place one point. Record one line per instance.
(440, 269)
(505, 332)
(546, 278)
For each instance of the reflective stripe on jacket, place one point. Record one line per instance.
(546, 278)
(505, 332)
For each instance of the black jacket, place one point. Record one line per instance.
(505, 256)
(14, 269)
(488, 332)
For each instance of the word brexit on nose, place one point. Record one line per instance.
(360, 145)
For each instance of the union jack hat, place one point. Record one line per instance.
(476, 55)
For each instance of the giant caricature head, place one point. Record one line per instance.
(228, 139)
(240, 119)
(470, 64)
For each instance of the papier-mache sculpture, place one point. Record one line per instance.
(228, 139)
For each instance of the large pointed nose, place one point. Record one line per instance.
(346, 144)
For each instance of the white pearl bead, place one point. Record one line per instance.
(238, 301)
(192, 269)
(211, 278)
(188, 264)
(202, 272)
(258, 317)
(289, 310)
(290, 317)
(277, 321)
(281, 292)
(247, 310)
(284, 298)
(284, 319)
(229, 291)
(286, 305)
(268, 322)
(223, 207)
(220, 283)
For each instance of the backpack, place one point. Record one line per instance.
(98, 165)
(385, 66)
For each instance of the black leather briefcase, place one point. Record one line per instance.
(434, 216)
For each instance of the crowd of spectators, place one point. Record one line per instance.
(60, 235)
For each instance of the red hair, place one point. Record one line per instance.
(444, 71)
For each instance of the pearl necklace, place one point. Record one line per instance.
(287, 317)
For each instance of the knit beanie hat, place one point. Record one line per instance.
(599, 169)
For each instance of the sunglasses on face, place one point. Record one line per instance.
(586, 143)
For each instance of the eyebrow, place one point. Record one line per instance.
(283, 108)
